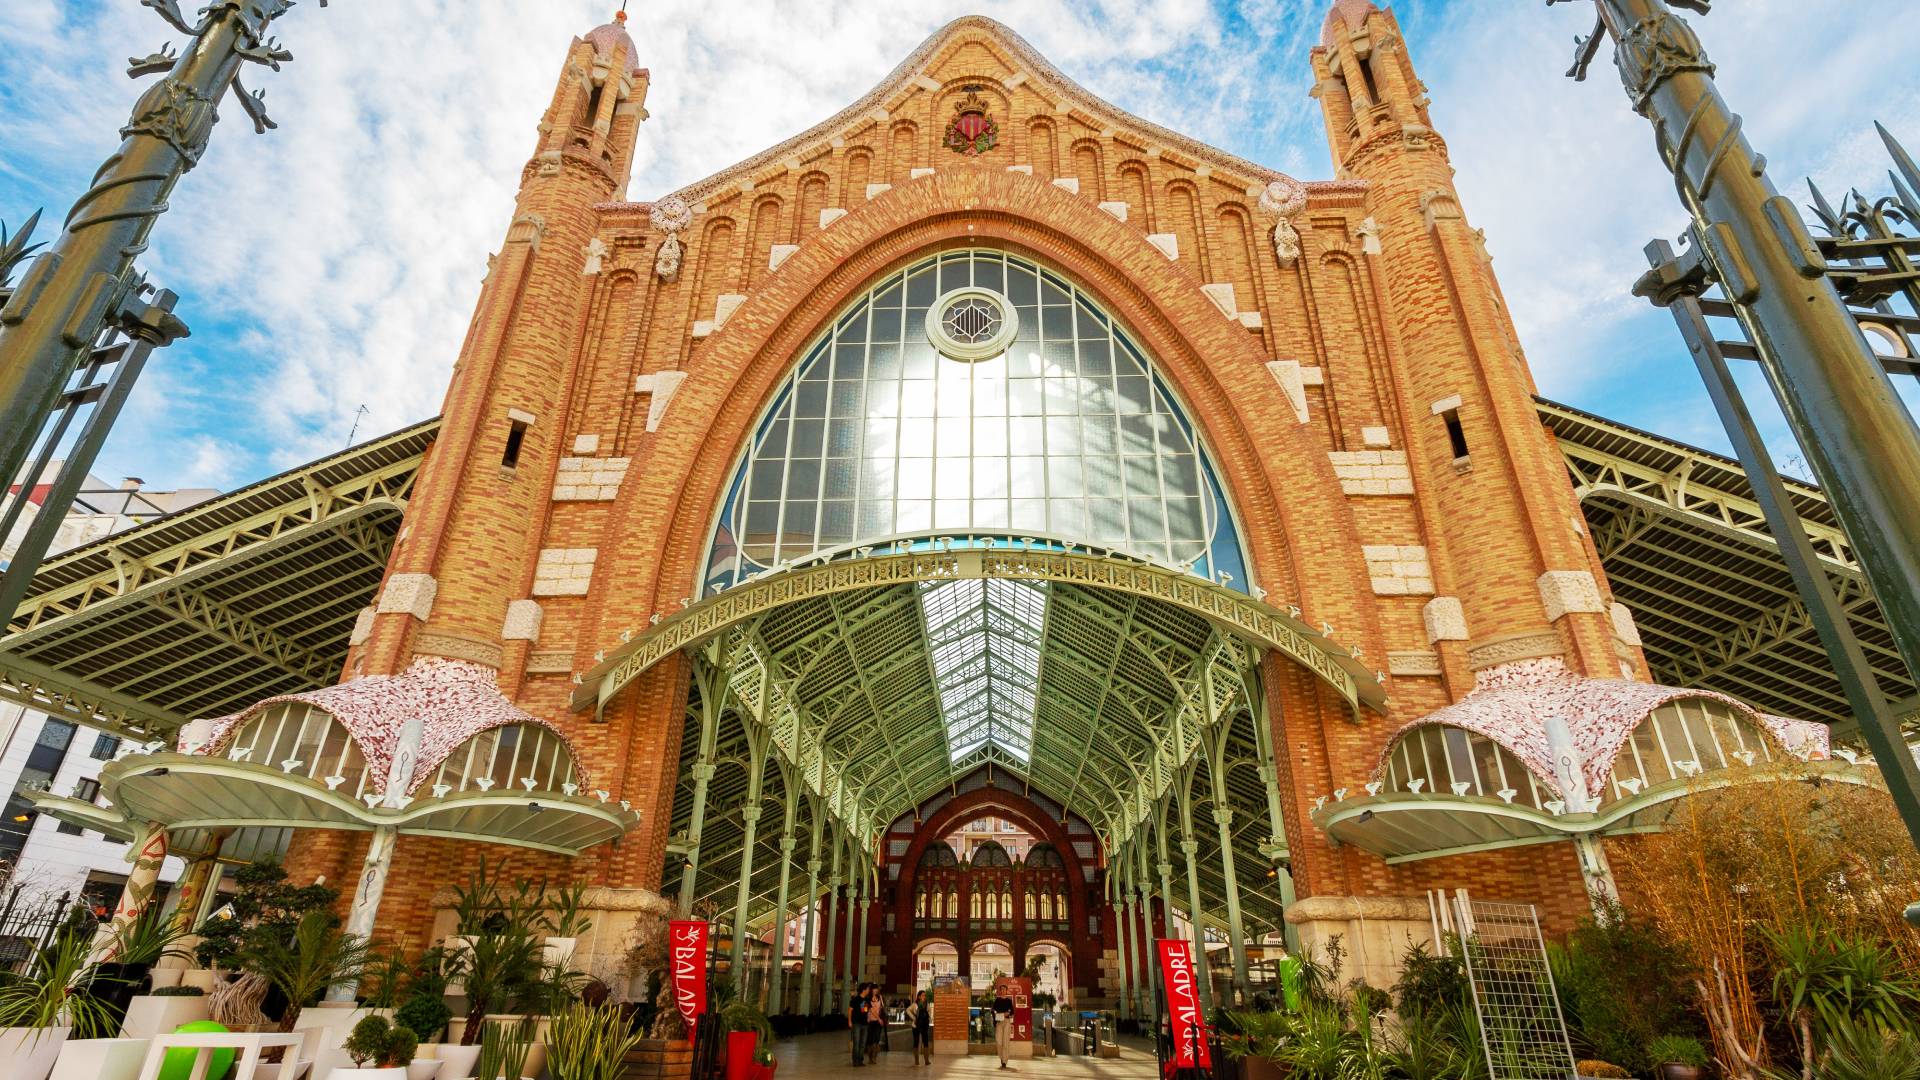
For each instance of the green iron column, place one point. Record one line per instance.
(1223, 817)
(712, 682)
(750, 824)
(847, 976)
(1165, 867)
(813, 906)
(1275, 849)
(1123, 935)
(828, 995)
(1144, 963)
(859, 969)
(776, 979)
(1190, 848)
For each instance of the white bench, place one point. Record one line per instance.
(246, 1046)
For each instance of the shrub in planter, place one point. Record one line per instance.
(1677, 1056)
(375, 1043)
(425, 1015)
(177, 991)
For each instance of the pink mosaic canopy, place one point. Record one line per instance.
(454, 699)
(1509, 702)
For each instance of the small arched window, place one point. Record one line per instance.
(953, 906)
(1060, 905)
(305, 740)
(1681, 739)
(1046, 906)
(919, 903)
(529, 757)
(1442, 759)
(1006, 904)
(975, 907)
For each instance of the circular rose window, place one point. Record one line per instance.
(971, 324)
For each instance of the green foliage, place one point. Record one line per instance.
(178, 990)
(1820, 972)
(503, 963)
(740, 1015)
(503, 1049)
(424, 1014)
(264, 907)
(1605, 1070)
(1256, 1034)
(1869, 1048)
(1621, 984)
(373, 1041)
(318, 956)
(1429, 984)
(57, 991)
(384, 980)
(588, 1042)
(147, 939)
(14, 250)
(1677, 1050)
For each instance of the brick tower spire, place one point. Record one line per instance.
(468, 546)
(1490, 481)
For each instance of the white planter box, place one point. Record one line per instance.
(148, 1015)
(398, 1072)
(31, 1052)
(100, 1059)
(457, 1061)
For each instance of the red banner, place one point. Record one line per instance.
(1183, 1005)
(687, 965)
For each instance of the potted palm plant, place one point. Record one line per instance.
(1677, 1057)
(53, 999)
(317, 957)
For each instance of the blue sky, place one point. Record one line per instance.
(334, 263)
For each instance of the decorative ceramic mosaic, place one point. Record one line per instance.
(1509, 702)
(455, 700)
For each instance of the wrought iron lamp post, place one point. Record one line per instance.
(79, 299)
(1750, 241)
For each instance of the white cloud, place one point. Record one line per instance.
(335, 261)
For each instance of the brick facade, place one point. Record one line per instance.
(597, 406)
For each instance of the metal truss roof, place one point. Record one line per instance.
(1129, 690)
(203, 611)
(1688, 551)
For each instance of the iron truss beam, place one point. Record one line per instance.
(247, 594)
(1687, 550)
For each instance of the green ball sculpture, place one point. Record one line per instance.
(178, 1063)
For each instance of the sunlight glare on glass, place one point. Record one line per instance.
(984, 637)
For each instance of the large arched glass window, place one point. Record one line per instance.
(1441, 758)
(1680, 739)
(301, 738)
(974, 395)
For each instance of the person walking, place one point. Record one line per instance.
(857, 1023)
(1002, 1024)
(876, 1023)
(921, 1016)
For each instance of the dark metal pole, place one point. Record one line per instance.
(86, 281)
(1858, 437)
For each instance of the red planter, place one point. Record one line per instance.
(740, 1045)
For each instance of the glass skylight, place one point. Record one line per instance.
(984, 636)
(1055, 430)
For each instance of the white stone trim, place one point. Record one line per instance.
(874, 191)
(1398, 569)
(1445, 404)
(662, 385)
(780, 253)
(1445, 619)
(564, 571)
(1566, 591)
(1067, 183)
(410, 594)
(1116, 208)
(362, 627)
(521, 415)
(831, 214)
(586, 444)
(915, 174)
(1287, 374)
(1624, 627)
(1372, 472)
(1168, 243)
(589, 479)
(522, 622)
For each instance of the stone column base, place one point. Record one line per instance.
(1374, 933)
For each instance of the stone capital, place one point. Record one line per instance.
(1445, 618)
(411, 594)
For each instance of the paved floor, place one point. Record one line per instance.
(826, 1055)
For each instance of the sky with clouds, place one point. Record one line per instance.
(333, 263)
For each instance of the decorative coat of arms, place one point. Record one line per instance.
(972, 131)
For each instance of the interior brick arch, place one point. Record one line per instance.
(1300, 534)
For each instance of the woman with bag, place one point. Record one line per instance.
(920, 1014)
